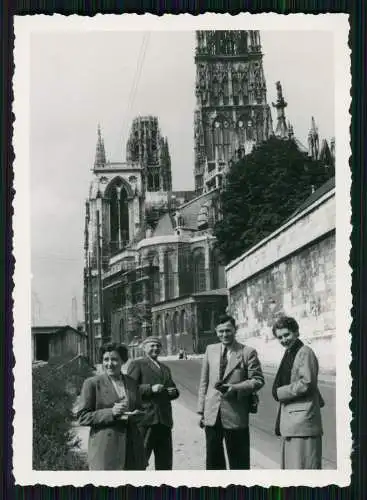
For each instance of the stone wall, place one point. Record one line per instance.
(300, 284)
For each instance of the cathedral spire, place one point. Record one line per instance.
(280, 105)
(290, 131)
(100, 158)
(313, 140)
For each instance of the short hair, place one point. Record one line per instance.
(121, 349)
(225, 318)
(285, 322)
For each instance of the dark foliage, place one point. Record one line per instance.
(54, 389)
(262, 191)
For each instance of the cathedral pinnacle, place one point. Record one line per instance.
(100, 158)
(313, 140)
(280, 105)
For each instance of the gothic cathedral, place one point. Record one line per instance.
(232, 113)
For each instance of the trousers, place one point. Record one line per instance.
(158, 439)
(301, 453)
(237, 445)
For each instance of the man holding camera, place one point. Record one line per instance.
(230, 377)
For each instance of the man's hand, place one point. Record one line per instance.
(201, 422)
(229, 389)
(157, 388)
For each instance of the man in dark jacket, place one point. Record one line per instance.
(157, 389)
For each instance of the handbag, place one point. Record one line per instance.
(253, 399)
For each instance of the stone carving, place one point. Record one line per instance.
(227, 84)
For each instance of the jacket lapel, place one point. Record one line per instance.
(156, 369)
(109, 393)
(130, 394)
(234, 359)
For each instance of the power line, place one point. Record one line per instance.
(134, 86)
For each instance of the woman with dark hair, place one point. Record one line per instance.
(110, 404)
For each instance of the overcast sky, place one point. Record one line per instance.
(78, 80)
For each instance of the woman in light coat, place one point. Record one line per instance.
(110, 405)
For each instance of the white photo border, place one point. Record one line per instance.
(24, 26)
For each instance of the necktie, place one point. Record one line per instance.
(223, 363)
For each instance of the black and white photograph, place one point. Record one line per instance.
(181, 234)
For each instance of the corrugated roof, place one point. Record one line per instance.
(53, 330)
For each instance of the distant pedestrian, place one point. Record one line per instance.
(157, 389)
(110, 405)
(182, 353)
(295, 387)
(230, 376)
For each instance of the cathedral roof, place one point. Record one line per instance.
(190, 211)
(165, 225)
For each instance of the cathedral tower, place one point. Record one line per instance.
(231, 113)
(147, 146)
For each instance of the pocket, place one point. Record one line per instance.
(298, 407)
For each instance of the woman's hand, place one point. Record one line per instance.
(119, 408)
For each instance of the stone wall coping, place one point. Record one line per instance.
(283, 252)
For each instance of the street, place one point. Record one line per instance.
(186, 375)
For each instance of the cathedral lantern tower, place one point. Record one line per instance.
(147, 147)
(231, 113)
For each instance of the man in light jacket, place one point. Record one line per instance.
(295, 388)
(231, 374)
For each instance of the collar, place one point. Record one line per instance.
(155, 361)
(297, 344)
(230, 348)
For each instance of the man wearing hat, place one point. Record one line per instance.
(157, 390)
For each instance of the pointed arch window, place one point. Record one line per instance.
(199, 270)
(217, 270)
(215, 90)
(167, 326)
(225, 91)
(235, 89)
(169, 272)
(119, 215)
(176, 325)
(121, 331)
(158, 326)
(183, 321)
(218, 138)
(153, 261)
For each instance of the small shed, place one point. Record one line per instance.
(54, 341)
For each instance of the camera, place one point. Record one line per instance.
(220, 387)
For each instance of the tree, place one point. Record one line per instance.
(262, 190)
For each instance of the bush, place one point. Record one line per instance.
(55, 386)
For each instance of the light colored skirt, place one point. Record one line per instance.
(301, 453)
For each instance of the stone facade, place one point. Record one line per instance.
(232, 113)
(144, 243)
(188, 322)
(291, 272)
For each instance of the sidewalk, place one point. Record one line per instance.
(188, 443)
